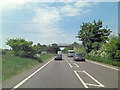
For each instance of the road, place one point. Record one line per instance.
(68, 73)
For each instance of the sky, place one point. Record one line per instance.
(53, 22)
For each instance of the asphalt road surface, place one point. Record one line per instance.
(68, 73)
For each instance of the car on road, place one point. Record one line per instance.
(71, 53)
(79, 57)
(58, 57)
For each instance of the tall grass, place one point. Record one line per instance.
(12, 65)
(105, 60)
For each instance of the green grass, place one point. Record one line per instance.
(105, 61)
(12, 65)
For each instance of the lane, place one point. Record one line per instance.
(56, 74)
(107, 76)
(68, 73)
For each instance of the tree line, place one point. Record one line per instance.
(97, 40)
(21, 47)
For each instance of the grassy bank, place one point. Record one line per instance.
(105, 61)
(12, 65)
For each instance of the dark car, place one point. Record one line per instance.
(58, 57)
(79, 57)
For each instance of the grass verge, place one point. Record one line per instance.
(12, 65)
(105, 61)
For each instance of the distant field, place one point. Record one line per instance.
(12, 65)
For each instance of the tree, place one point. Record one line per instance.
(20, 47)
(92, 35)
(75, 44)
(113, 47)
(39, 48)
(54, 48)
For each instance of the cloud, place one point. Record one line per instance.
(69, 10)
(76, 9)
(82, 4)
(46, 21)
(47, 15)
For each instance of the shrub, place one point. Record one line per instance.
(21, 47)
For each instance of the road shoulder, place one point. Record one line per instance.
(16, 79)
(104, 65)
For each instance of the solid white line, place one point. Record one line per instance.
(92, 85)
(81, 79)
(103, 65)
(94, 79)
(76, 65)
(70, 65)
(22, 82)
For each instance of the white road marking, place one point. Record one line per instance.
(94, 79)
(70, 65)
(76, 65)
(22, 82)
(81, 79)
(66, 60)
(71, 61)
(103, 65)
(92, 85)
(85, 84)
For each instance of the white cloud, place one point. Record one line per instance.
(47, 15)
(69, 10)
(82, 4)
(46, 21)
(76, 9)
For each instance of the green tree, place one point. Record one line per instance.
(92, 35)
(113, 47)
(75, 44)
(20, 47)
(54, 48)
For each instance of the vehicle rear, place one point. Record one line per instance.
(71, 53)
(79, 57)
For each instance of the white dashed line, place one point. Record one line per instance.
(76, 65)
(22, 82)
(70, 65)
(66, 60)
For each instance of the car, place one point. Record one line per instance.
(58, 57)
(79, 57)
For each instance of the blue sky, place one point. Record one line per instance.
(56, 22)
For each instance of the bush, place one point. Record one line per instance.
(113, 47)
(22, 48)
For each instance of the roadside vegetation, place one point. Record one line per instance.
(12, 65)
(23, 55)
(98, 44)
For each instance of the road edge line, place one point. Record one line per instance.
(103, 65)
(23, 81)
